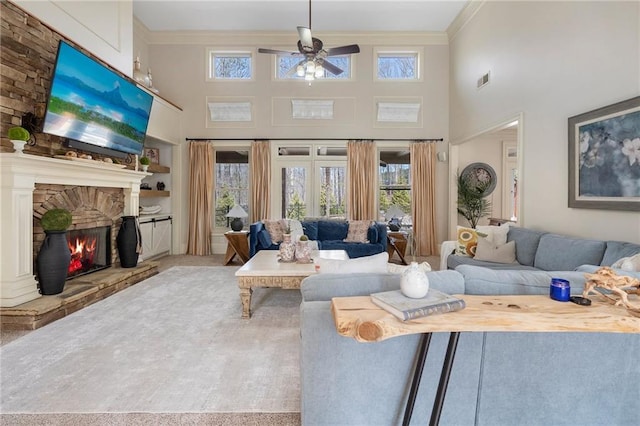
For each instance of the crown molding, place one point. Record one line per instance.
(271, 38)
(464, 17)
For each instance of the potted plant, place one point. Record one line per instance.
(19, 137)
(144, 162)
(472, 203)
(54, 256)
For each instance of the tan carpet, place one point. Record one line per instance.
(174, 343)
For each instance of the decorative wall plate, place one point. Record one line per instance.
(482, 173)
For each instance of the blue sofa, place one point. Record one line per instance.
(329, 234)
(497, 378)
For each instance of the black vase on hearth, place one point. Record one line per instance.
(52, 263)
(129, 242)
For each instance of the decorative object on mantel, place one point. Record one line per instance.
(19, 136)
(618, 288)
(144, 163)
(129, 241)
(54, 256)
(237, 213)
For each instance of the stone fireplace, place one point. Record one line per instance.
(96, 194)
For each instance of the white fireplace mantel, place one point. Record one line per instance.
(19, 174)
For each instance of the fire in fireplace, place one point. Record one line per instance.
(90, 250)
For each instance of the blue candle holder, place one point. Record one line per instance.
(560, 289)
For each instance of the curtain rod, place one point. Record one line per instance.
(317, 139)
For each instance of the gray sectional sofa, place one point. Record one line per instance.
(497, 378)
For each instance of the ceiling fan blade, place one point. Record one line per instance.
(278, 52)
(294, 68)
(343, 50)
(331, 68)
(305, 38)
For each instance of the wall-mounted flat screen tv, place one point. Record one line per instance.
(96, 109)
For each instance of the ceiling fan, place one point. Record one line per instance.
(314, 55)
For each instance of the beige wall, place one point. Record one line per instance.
(179, 68)
(548, 61)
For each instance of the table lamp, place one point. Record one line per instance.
(394, 215)
(237, 213)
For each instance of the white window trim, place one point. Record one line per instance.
(381, 51)
(210, 72)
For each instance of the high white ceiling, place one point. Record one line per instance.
(286, 15)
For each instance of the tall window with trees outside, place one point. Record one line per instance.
(333, 201)
(231, 184)
(395, 182)
(294, 192)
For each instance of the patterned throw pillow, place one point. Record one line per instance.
(467, 241)
(274, 227)
(358, 231)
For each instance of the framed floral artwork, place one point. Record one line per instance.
(604, 157)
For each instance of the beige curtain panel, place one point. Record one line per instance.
(260, 180)
(423, 190)
(362, 179)
(201, 159)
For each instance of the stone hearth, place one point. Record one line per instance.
(78, 293)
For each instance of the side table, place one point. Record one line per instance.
(359, 318)
(237, 244)
(397, 243)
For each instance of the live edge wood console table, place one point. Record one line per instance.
(359, 318)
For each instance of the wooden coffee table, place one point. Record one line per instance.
(264, 270)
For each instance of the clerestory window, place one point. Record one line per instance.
(286, 68)
(400, 65)
(225, 65)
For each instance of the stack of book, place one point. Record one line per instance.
(405, 308)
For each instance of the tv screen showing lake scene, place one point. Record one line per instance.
(90, 103)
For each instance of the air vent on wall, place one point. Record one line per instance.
(483, 80)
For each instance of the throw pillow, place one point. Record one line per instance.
(495, 234)
(629, 264)
(264, 238)
(274, 228)
(467, 241)
(375, 263)
(358, 231)
(489, 252)
(398, 269)
(296, 229)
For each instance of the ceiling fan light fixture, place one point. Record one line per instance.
(319, 73)
(311, 67)
(300, 71)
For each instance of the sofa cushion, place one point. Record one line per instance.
(495, 234)
(310, 228)
(332, 230)
(616, 250)
(467, 241)
(559, 252)
(480, 280)
(264, 238)
(526, 243)
(372, 234)
(375, 263)
(357, 231)
(454, 261)
(274, 227)
(486, 250)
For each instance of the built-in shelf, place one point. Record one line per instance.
(145, 193)
(153, 168)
